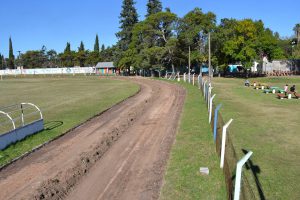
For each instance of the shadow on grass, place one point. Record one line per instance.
(255, 171)
(52, 125)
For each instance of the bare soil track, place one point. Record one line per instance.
(120, 154)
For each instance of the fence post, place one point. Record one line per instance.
(22, 115)
(210, 107)
(238, 175)
(204, 90)
(193, 79)
(184, 77)
(216, 121)
(178, 79)
(224, 132)
(208, 95)
(199, 84)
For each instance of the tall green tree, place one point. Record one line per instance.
(11, 57)
(244, 41)
(67, 57)
(154, 43)
(1, 61)
(128, 18)
(193, 34)
(96, 45)
(153, 7)
(81, 55)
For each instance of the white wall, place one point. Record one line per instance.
(65, 70)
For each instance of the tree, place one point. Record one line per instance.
(153, 7)
(244, 41)
(154, 43)
(193, 33)
(96, 45)
(31, 59)
(52, 58)
(2, 61)
(81, 55)
(67, 57)
(128, 18)
(11, 57)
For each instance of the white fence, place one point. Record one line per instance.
(39, 71)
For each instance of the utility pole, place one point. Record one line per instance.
(189, 64)
(19, 58)
(209, 60)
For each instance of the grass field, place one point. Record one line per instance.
(65, 103)
(193, 148)
(267, 126)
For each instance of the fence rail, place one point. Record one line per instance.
(18, 121)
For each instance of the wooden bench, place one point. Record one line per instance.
(267, 91)
(281, 96)
(280, 91)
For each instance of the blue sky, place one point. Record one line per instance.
(33, 23)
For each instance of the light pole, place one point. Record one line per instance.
(209, 59)
(189, 64)
(19, 60)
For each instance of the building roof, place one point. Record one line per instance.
(105, 65)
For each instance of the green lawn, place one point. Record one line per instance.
(70, 100)
(193, 148)
(267, 126)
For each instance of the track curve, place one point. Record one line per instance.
(120, 154)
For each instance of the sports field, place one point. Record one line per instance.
(65, 103)
(270, 128)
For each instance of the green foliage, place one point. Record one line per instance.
(80, 56)
(193, 33)
(1, 61)
(244, 41)
(153, 7)
(11, 57)
(128, 18)
(67, 57)
(96, 45)
(39, 58)
(32, 59)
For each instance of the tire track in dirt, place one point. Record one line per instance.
(95, 156)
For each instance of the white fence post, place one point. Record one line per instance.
(224, 132)
(210, 107)
(238, 175)
(193, 79)
(209, 95)
(204, 89)
(178, 79)
(184, 77)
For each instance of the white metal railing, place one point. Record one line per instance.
(31, 104)
(16, 115)
(10, 118)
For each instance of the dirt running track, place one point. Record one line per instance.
(120, 154)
